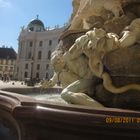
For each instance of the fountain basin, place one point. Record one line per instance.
(35, 119)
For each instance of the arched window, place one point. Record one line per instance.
(49, 54)
(39, 55)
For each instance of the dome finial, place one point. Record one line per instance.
(37, 16)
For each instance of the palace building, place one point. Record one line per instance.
(35, 46)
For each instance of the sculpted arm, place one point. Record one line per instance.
(77, 48)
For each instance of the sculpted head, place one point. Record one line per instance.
(98, 33)
(94, 36)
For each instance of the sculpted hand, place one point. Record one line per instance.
(82, 41)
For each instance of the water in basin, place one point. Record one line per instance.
(51, 97)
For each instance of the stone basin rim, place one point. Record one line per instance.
(30, 101)
(23, 109)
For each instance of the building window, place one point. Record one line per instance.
(11, 76)
(29, 55)
(37, 75)
(20, 51)
(50, 42)
(17, 69)
(47, 76)
(21, 44)
(31, 28)
(12, 62)
(2, 62)
(11, 68)
(6, 62)
(0, 67)
(38, 29)
(26, 66)
(40, 43)
(6, 68)
(38, 67)
(39, 55)
(31, 44)
(25, 74)
(47, 66)
(49, 54)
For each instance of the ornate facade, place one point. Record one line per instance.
(34, 50)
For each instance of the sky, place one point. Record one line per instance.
(17, 13)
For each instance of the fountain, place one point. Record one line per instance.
(97, 66)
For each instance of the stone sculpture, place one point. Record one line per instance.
(84, 9)
(72, 79)
(94, 45)
(79, 68)
(104, 43)
(132, 34)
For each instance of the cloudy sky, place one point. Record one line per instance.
(17, 13)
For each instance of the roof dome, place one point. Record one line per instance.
(36, 25)
(36, 22)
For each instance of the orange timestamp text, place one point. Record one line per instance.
(122, 120)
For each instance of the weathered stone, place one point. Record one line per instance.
(124, 62)
(124, 68)
(129, 100)
(119, 69)
(69, 37)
